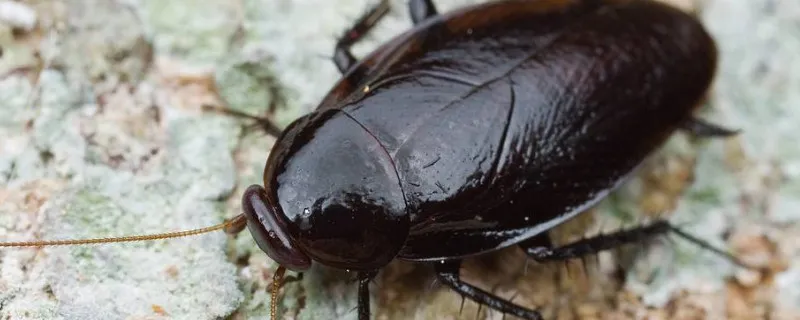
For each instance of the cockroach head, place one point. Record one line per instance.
(269, 231)
(332, 195)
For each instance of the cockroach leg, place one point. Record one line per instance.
(342, 56)
(263, 123)
(421, 10)
(543, 253)
(448, 273)
(705, 245)
(539, 243)
(596, 244)
(364, 279)
(703, 128)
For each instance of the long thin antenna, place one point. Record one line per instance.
(230, 226)
(276, 287)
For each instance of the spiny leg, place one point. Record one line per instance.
(543, 243)
(364, 279)
(537, 244)
(421, 10)
(541, 240)
(542, 252)
(342, 56)
(703, 128)
(448, 273)
(594, 245)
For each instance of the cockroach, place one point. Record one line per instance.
(476, 130)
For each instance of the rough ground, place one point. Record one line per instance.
(102, 134)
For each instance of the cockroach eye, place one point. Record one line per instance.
(269, 231)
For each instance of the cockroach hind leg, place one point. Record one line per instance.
(602, 242)
(707, 246)
(342, 56)
(448, 273)
(421, 10)
(705, 129)
(539, 246)
(596, 244)
(585, 265)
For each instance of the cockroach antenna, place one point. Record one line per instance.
(277, 278)
(230, 226)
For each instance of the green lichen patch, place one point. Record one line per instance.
(199, 33)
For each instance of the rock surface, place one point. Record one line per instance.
(102, 134)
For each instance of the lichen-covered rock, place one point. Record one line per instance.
(125, 161)
(100, 49)
(200, 33)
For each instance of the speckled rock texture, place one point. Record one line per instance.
(103, 133)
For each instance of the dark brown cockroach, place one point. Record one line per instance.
(476, 130)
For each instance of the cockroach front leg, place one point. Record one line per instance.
(364, 279)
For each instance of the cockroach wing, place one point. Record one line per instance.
(505, 130)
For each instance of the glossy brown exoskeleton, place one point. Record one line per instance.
(476, 130)
(480, 129)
